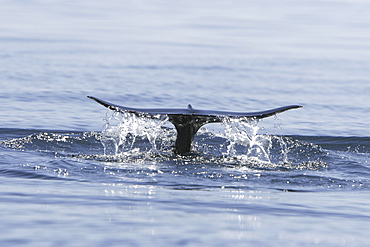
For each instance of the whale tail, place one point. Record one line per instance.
(189, 120)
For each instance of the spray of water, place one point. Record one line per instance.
(122, 130)
(243, 132)
(238, 142)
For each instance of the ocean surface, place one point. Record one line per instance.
(73, 173)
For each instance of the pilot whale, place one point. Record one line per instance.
(188, 121)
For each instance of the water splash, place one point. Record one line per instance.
(244, 132)
(127, 136)
(123, 130)
(246, 146)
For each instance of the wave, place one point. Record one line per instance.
(29, 174)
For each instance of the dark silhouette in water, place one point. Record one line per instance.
(189, 120)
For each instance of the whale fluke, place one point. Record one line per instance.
(188, 121)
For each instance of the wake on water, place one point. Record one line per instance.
(131, 139)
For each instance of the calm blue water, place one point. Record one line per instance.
(70, 176)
